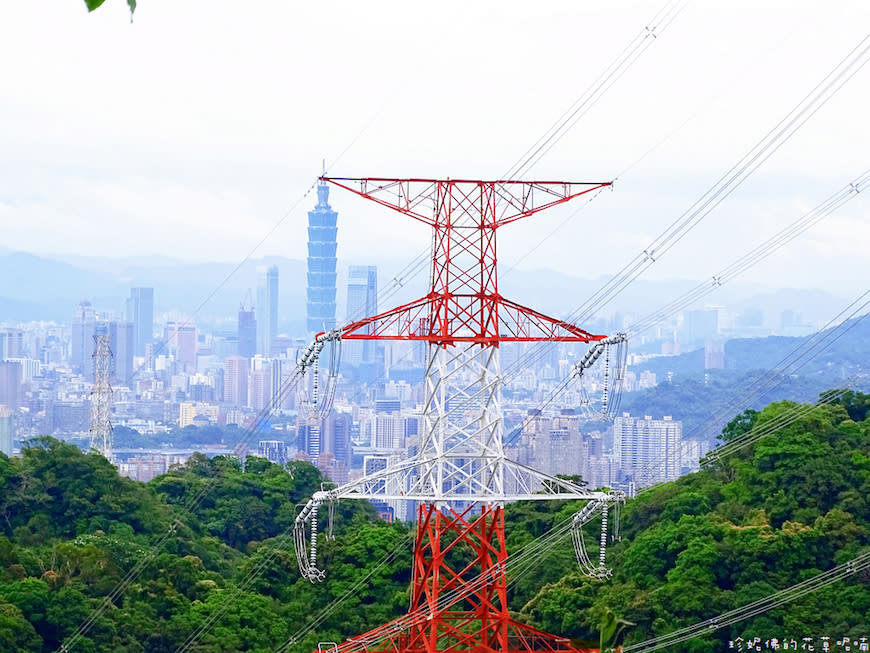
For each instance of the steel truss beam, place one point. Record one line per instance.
(479, 620)
(463, 303)
(459, 465)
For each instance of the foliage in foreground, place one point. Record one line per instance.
(218, 542)
(222, 568)
(789, 506)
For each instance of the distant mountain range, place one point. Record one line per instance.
(834, 358)
(49, 288)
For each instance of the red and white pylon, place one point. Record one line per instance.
(459, 477)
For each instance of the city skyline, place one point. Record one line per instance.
(157, 168)
(750, 64)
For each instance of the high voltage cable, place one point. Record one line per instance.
(732, 179)
(836, 328)
(770, 428)
(139, 567)
(834, 575)
(768, 247)
(667, 136)
(525, 558)
(829, 205)
(309, 191)
(569, 118)
(774, 425)
(189, 506)
(775, 138)
(519, 562)
(762, 251)
(789, 364)
(448, 599)
(616, 70)
(611, 74)
(710, 624)
(833, 202)
(321, 616)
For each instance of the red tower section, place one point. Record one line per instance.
(461, 478)
(463, 303)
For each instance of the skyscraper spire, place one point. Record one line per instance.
(322, 247)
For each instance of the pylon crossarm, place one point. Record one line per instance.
(412, 480)
(519, 323)
(441, 319)
(498, 202)
(406, 322)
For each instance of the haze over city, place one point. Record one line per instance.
(193, 131)
(243, 407)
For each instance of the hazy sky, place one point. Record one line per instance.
(193, 130)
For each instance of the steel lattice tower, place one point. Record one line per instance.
(101, 397)
(460, 477)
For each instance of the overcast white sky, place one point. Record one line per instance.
(192, 131)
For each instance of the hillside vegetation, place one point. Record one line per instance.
(215, 539)
(777, 512)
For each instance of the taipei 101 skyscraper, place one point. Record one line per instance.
(321, 263)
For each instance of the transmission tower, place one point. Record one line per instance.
(460, 478)
(101, 397)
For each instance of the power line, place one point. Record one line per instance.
(612, 73)
(759, 253)
(732, 179)
(836, 328)
(840, 572)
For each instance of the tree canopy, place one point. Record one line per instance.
(211, 548)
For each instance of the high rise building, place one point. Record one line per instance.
(561, 450)
(247, 341)
(181, 342)
(322, 246)
(7, 430)
(340, 443)
(121, 341)
(267, 308)
(273, 450)
(236, 381)
(10, 384)
(260, 388)
(281, 371)
(647, 450)
(11, 343)
(82, 347)
(362, 301)
(140, 311)
(308, 436)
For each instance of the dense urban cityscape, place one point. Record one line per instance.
(487, 327)
(170, 376)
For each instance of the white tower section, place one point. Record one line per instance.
(101, 397)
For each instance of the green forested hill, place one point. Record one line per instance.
(840, 356)
(782, 510)
(215, 538)
(216, 541)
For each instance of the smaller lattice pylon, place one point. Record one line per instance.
(101, 397)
